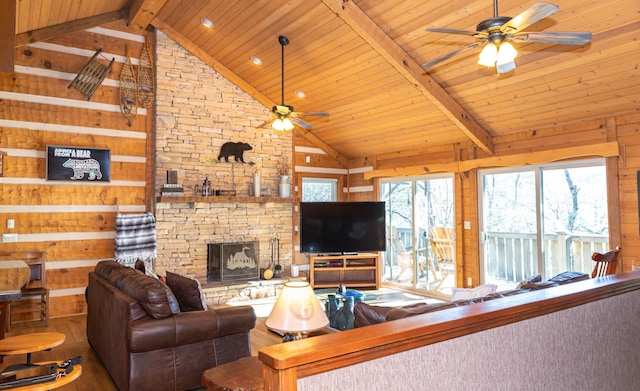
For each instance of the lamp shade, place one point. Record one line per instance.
(297, 309)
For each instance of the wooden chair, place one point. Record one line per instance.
(403, 257)
(443, 247)
(35, 295)
(605, 263)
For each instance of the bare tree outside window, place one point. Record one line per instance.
(319, 190)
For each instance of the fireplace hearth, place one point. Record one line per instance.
(232, 262)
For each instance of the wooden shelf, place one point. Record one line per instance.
(226, 199)
(359, 270)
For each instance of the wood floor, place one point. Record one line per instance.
(94, 376)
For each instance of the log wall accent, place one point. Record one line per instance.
(73, 222)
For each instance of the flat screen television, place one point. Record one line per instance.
(342, 227)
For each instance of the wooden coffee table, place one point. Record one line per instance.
(243, 374)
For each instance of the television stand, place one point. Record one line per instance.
(351, 270)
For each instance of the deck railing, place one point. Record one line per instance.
(514, 256)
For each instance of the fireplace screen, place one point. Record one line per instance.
(230, 262)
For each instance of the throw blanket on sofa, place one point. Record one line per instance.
(135, 239)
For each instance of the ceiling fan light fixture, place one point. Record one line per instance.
(506, 53)
(287, 124)
(488, 55)
(282, 124)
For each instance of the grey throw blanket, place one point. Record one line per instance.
(135, 239)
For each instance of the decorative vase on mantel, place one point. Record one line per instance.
(284, 187)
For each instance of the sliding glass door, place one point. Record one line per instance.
(542, 220)
(420, 231)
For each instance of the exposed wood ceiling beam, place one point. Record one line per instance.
(608, 149)
(243, 85)
(412, 71)
(142, 12)
(7, 35)
(58, 30)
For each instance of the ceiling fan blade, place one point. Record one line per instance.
(447, 30)
(314, 114)
(266, 124)
(301, 123)
(555, 37)
(451, 54)
(528, 17)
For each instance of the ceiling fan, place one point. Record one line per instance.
(284, 117)
(495, 34)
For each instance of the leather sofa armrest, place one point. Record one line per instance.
(235, 319)
(189, 327)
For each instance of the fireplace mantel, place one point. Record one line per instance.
(227, 199)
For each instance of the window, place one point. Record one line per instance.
(319, 190)
(542, 220)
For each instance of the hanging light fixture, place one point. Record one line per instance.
(488, 55)
(499, 54)
(506, 54)
(282, 124)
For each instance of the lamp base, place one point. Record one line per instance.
(288, 337)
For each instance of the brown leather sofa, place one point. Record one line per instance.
(144, 339)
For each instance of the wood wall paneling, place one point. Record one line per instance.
(74, 222)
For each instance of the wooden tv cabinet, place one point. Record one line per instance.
(354, 271)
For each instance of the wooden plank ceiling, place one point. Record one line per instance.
(360, 61)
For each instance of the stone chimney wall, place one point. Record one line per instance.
(198, 111)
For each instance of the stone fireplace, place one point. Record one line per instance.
(198, 111)
(232, 262)
(184, 230)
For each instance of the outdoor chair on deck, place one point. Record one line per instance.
(403, 257)
(443, 247)
(605, 263)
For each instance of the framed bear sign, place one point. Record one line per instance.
(78, 164)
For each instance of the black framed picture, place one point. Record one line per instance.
(78, 164)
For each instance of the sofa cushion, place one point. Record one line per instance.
(569, 277)
(366, 315)
(117, 275)
(104, 268)
(472, 293)
(188, 292)
(151, 294)
(417, 309)
(529, 280)
(534, 286)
